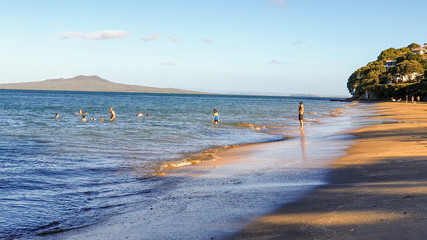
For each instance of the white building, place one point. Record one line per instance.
(404, 78)
(390, 63)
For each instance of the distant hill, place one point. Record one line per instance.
(89, 84)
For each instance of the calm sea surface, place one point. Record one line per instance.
(62, 174)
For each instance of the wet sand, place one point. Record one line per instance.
(377, 191)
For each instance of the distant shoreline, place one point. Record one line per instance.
(81, 91)
(305, 96)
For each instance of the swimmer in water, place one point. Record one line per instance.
(140, 115)
(84, 118)
(113, 114)
(215, 118)
(56, 116)
(102, 119)
(93, 119)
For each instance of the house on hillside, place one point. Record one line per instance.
(399, 78)
(390, 63)
(420, 50)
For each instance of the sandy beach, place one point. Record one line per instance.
(378, 190)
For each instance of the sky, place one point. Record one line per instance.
(272, 46)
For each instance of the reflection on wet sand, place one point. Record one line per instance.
(303, 146)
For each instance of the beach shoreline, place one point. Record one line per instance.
(220, 197)
(377, 190)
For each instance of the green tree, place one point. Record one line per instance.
(413, 46)
(413, 56)
(386, 77)
(408, 67)
(392, 54)
(424, 63)
(410, 56)
(364, 77)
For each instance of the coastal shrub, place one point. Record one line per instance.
(388, 91)
(418, 89)
(396, 91)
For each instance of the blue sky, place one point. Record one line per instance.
(282, 46)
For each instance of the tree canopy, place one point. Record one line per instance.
(413, 46)
(364, 77)
(409, 66)
(392, 54)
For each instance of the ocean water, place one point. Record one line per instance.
(57, 175)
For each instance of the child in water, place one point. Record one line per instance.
(215, 118)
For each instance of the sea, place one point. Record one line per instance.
(62, 174)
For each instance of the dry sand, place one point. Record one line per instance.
(377, 191)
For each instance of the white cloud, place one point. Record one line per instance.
(278, 62)
(101, 35)
(152, 37)
(67, 35)
(278, 3)
(207, 41)
(175, 39)
(298, 42)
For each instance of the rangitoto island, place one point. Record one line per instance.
(90, 84)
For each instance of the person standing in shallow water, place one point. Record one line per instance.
(301, 115)
(215, 118)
